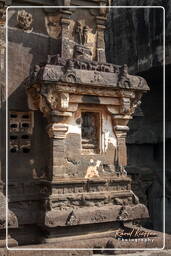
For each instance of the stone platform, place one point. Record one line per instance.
(97, 243)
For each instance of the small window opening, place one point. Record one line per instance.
(25, 125)
(26, 150)
(25, 116)
(13, 150)
(25, 137)
(13, 116)
(13, 125)
(13, 137)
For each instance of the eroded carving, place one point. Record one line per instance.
(12, 219)
(123, 214)
(72, 219)
(25, 20)
(92, 170)
(81, 33)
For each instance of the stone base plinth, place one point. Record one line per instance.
(100, 242)
(93, 215)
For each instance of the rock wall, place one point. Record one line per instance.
(135, 37)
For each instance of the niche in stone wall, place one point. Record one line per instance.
(90, 132)
(20, 131)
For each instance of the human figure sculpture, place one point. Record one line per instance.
(78, 32)
(85, 35)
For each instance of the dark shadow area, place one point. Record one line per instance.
(145, 149)
(25, 187)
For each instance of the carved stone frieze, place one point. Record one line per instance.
(93, 76)
(94, 214)
(79, 63)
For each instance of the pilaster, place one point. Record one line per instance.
(120, 128)
(57, 133)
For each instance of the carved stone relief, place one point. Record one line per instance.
(123, 214)
(25, 20)
(72, 219)
(81, 33)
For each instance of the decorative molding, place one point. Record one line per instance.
(57, 130)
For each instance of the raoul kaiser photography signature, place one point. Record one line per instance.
(135, 235)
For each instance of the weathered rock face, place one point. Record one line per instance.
(135, 36)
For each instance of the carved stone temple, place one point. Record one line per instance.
(68, 182)
(87, 103)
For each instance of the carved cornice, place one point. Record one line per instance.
(88, 73)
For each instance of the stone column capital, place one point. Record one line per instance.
(48, 100)
(57, 130)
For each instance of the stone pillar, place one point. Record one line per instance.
(101, 57)
(120, 129)
(65, 21)
(57, 132)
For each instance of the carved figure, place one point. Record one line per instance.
(25, 20)
(78, 32)
(123, 77)
(80, 64)
(85, 35)
(70, 64)
(92, 170)
(81, 34)
(123, 214)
